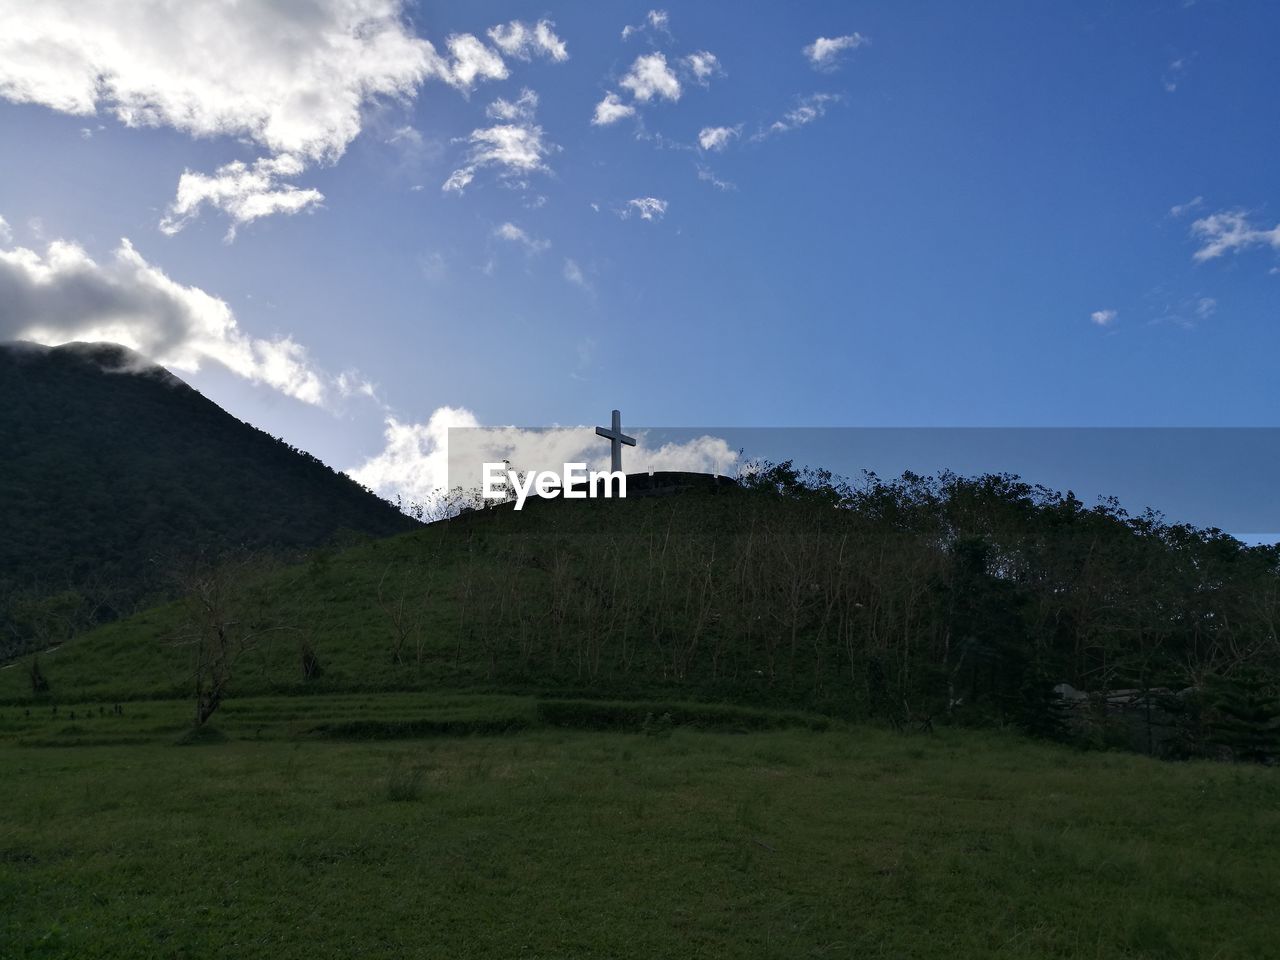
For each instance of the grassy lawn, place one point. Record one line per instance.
(548, 842)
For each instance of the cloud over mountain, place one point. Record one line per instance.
(64, 295)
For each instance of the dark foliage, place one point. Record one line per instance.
(39, 683)
(654, 718)
(311, 668)
(415, 729)
(1246, 715)
(115, 471)
(910, 600)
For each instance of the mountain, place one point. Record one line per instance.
(113, 471)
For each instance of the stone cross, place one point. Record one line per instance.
(616, 439)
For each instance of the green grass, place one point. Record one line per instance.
(460, 805)
(549, 842)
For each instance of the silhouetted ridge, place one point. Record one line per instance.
(112, 470)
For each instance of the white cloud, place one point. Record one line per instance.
(243, 192)
(704, 65)
(6, 235)
(406, 136)
(472, 61)
(1178, 209)
(649, 208)
(293, 78)
(807, 110)
(705, 454)
(707, 175)
(522, 109)
(1104, 318)
(421, 461)
(654, 20)
(519, 40)
(610, 110)
(414, 462)
(650, 77)
(824, 53)
(1230, 231)
(412, 153)
(1186, 312)
(516, 149)
(64, 295)
(1173, 74)
(513, 234)
(573, 273)
(351, 384)
(716, 138)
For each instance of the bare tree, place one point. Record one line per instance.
(403, 600)
(221, 630)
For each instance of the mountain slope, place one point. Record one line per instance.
(112, 470)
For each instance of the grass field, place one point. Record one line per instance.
(288, 837)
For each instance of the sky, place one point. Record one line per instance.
(355, 223)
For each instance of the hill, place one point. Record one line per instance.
(114, 471)
(524, 701)
(961, 600)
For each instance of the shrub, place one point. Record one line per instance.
(1247, 715)
(311, 668)
(408, 729)
(657, 726)
(640, 717)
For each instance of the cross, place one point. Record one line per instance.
(616, 439)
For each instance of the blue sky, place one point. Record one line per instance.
(1015, 214)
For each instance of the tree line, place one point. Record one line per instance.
(915, 600)
(918, 597)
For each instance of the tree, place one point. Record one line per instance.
(39, 683)
(404, 602)
(224, 623)
(1247, 715)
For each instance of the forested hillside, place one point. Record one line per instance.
(961, 600)
(113, 471)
